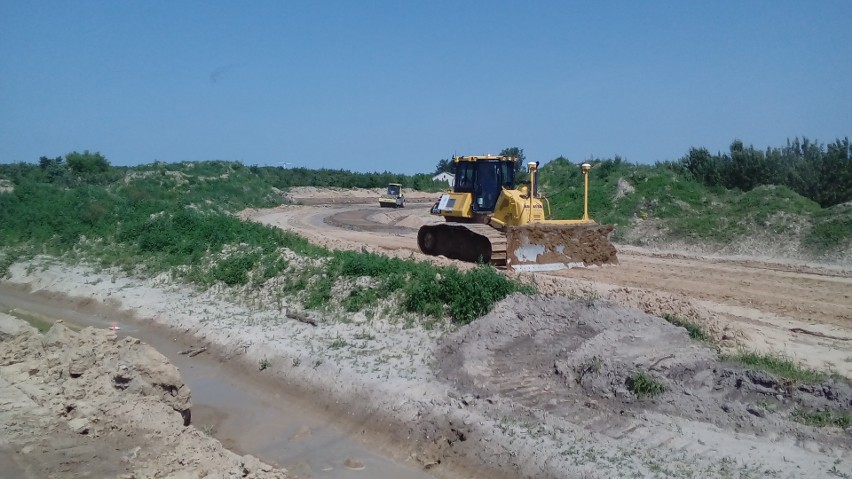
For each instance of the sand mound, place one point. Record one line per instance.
(590, 362)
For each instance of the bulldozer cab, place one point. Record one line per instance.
(484, 177)
(394, 188)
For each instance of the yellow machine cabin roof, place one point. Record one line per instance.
(486, 157)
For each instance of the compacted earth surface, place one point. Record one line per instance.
(585, 379)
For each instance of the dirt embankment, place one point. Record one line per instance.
(87, 403)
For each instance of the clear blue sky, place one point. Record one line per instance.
(398, 85)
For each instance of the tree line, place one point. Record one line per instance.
(71, 170)
(284, 178)
(93, 168)
(822, 173)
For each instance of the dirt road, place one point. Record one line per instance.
(799, 310)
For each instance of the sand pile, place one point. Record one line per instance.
(89, 404)
(590, 365)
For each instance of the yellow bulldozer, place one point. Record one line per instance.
(490, 219)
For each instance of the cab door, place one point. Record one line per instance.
(487, 186)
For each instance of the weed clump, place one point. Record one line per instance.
(694, 330)
(643, 385)
(264, 364)
(823, 418)
(778, 366)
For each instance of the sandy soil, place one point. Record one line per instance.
(542, 386)
(89, 404)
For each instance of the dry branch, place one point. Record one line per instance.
(194, 351)
(300, 317)
(819, 334)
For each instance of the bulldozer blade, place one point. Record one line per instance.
(548, 247)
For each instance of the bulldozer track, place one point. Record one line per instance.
(497, 240)
(464, 241)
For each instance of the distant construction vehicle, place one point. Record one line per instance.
(393, 198)
(488, 219)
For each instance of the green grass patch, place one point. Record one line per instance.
(781, 367)
(235, 269)
(178, 218)
(467, 294)
(695, 331)
(12, 255)
(271, 268)
(319, 293)
(42, 324)
(360, 299)
(823, 418)
(832, 228)
(423, 288)
(644, 385)
(687, 210)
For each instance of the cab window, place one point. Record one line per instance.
(465, 174)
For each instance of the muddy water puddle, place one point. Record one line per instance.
(247, 413)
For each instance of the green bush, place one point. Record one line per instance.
(174, 217)
(87, 163)
(472, 293)
(235, 269)
(693, 205)
(822, 173)
(424, 296)
(467, 295)
(272, 267)
(426, 289)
